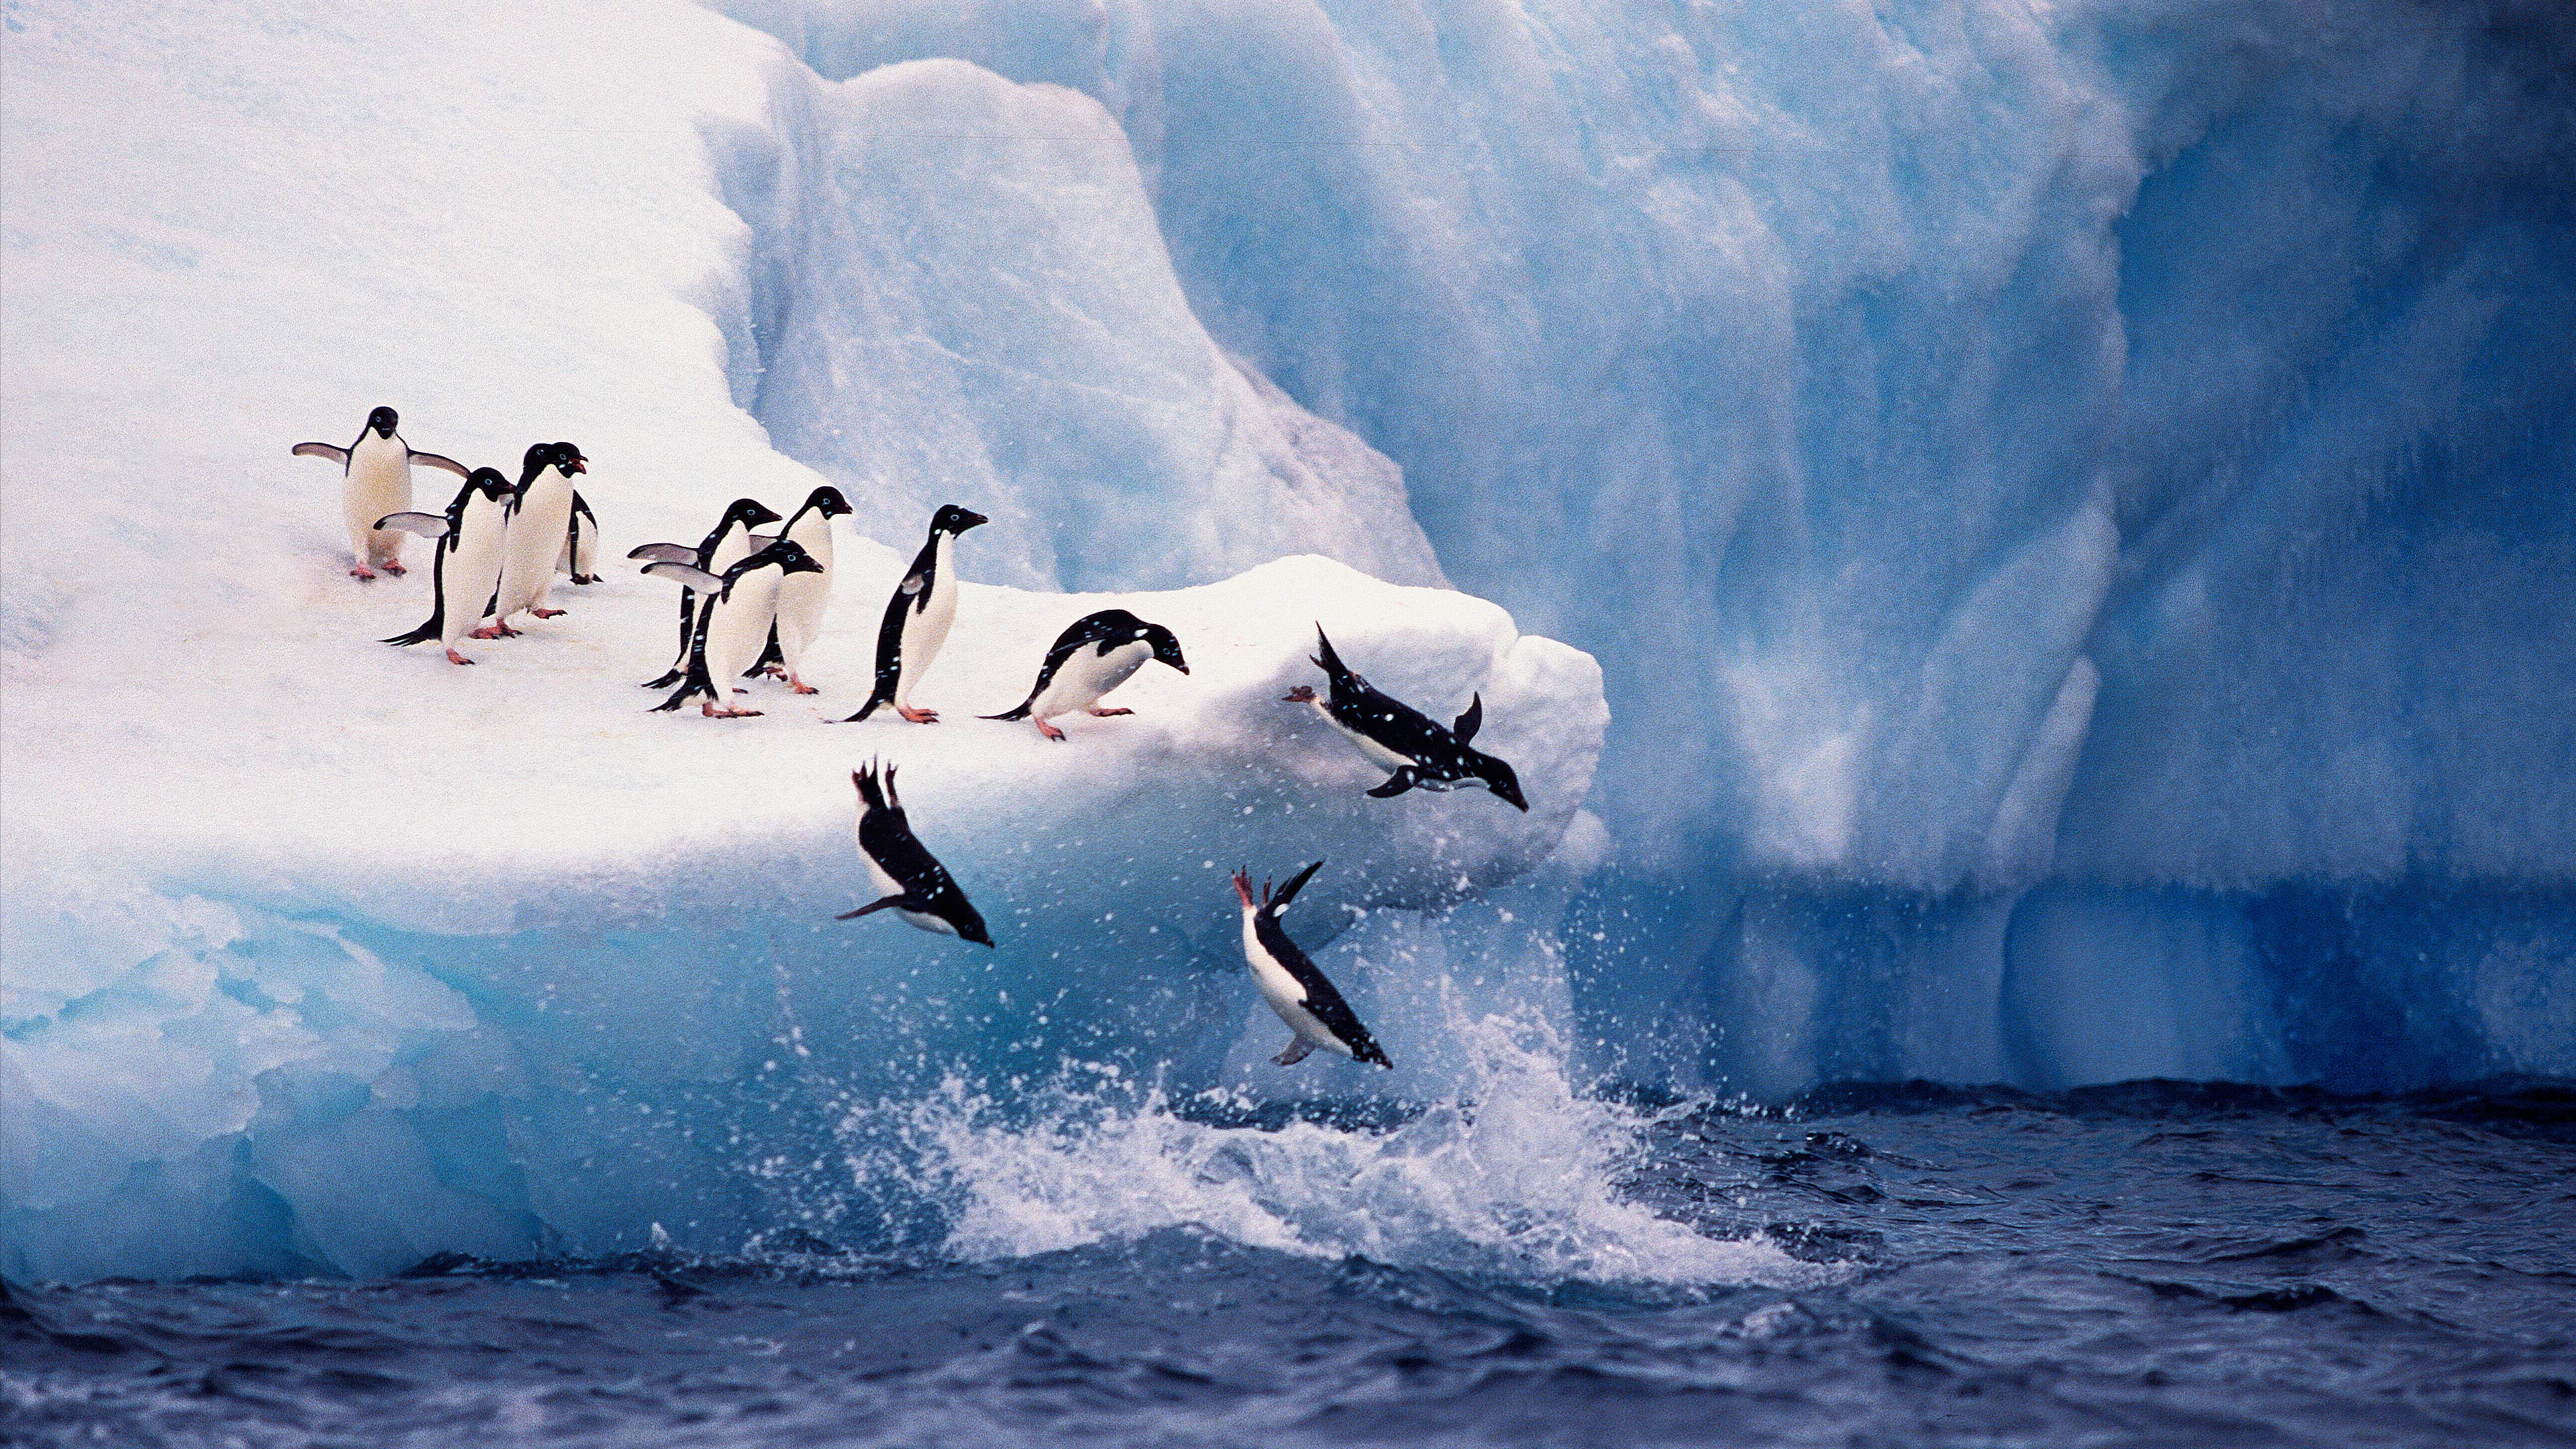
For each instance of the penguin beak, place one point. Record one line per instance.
(581, 465)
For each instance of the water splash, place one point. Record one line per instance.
(1515, 1177)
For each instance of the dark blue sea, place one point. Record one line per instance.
(2146, 1264)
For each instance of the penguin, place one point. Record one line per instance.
(1292, 985)
(540, 519)
(803, 597)
(726, 545)
(375, 479)
(580, 556)
(1091, 657)
(913, 884)
(1399, 737)
(918, 616)
(468, 564)
(733, 618)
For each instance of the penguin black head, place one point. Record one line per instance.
(827, 501)
(489, 483)
(383, 421)
(570, 459)
(789, 555)
(1498, 777)
(953, 519)
(750, 512)
(1167, 645)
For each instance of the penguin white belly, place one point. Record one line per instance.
(1083, 679)
(472, 567)
(739, 629)
(378, 483)
(803, 598)
(1285, 996)
(926, 629)
(1378, 754)
(535, 541)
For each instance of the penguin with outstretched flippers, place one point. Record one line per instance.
(734, 616)
(375, 480)
(910, 881)
(727, 544)
(1402, 738)
(468, 565)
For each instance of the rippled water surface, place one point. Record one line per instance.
(2139, 1265)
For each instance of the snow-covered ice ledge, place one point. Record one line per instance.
(495, 960)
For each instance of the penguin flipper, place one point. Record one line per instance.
(1298, 1047)
(890, 901)
(1396, 784)
(760, 541)
(441, 460)
(427, 525)
(687, 575)
(664, 552)
(1470, 719)
(323, 450)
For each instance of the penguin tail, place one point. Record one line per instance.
(668, 678)
(1019, 711)
(869, 708)
(678, 697)
(421, 635)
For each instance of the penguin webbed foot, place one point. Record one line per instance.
(800, 686)
(917, 716)
(1295, 1052)
(494, 631)
(455, 658)
(391, 567)
(361, 571)
(547, 613)
(1048, 730)
(1110, 713)
(728, 712)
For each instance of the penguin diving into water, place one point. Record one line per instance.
(468, 564)
(540, 523)
(1401, 738)
(726, 545)
(918, 616)
(803, 597)
(734, 615)
(1093, 656)
(375, 479)
(1292, 985)
(912, 883)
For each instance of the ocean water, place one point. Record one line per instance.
(2154, 1263)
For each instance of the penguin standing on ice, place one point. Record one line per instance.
(803, 598)
(733, 619)
(1093, 656)
(1292, 985)
(724, 546)
(918, 616)
(540, 520)
(580, 556)
(1403, 739)
(909, 880)
(468, 564)
(375, 479)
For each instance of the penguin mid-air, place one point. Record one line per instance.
(540, 520)
(1401, 738)
(803, 598)
(1291, 983)
(734, 616)
(468, 565)
(918, 616)
(724, 546)
(375, 480)
(580, 556)
(910, 881)
(1093, 656)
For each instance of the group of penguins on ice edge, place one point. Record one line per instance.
(752, 603)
